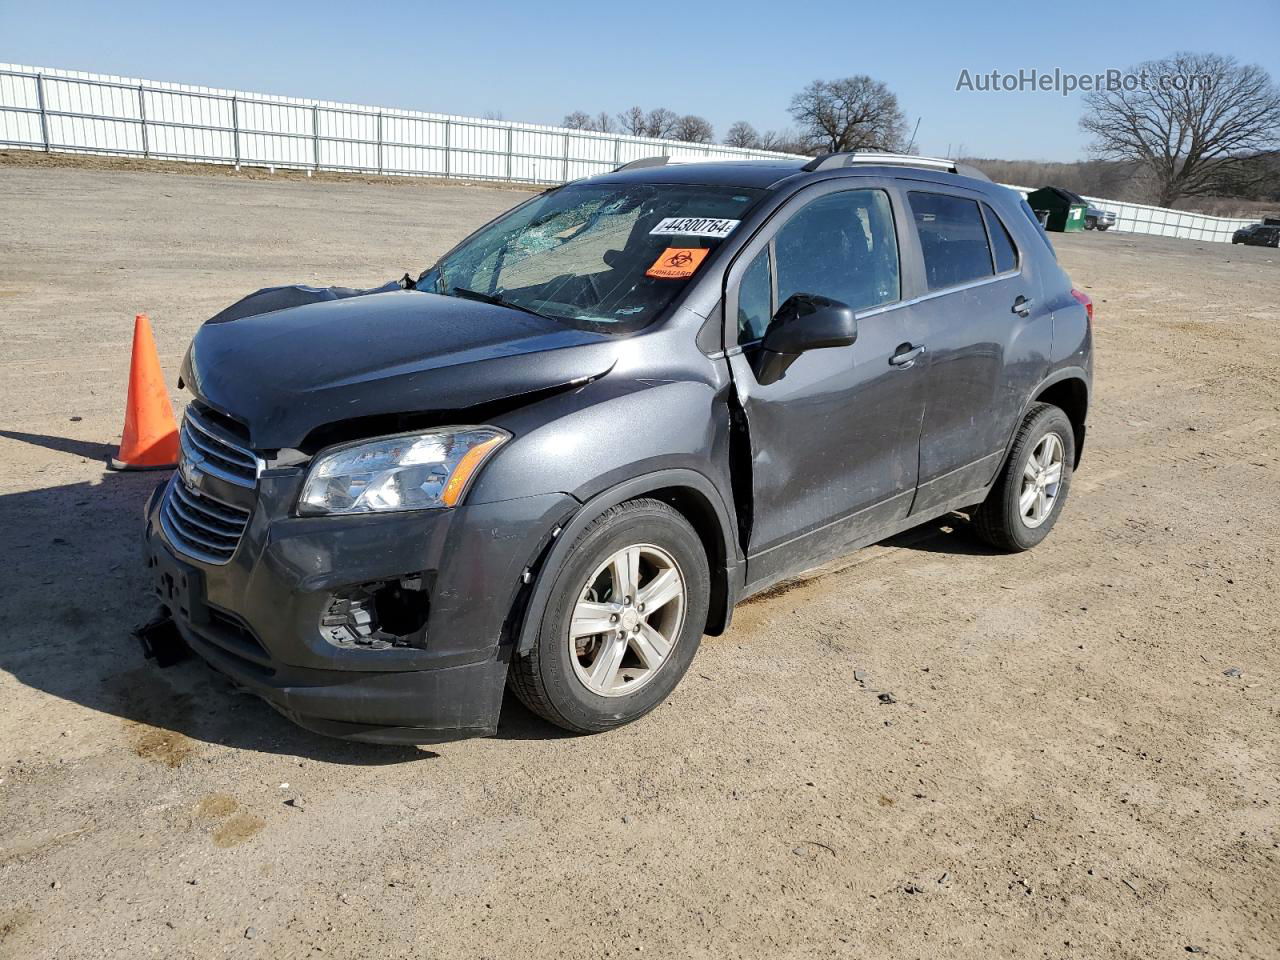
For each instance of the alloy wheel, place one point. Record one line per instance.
(1041, 481)
(626, 621)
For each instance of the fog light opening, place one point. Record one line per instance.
(379, 615)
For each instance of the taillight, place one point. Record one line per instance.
(1085, 299)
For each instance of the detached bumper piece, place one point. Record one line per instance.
(161, 640)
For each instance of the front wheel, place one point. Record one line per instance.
(623, 622)
(1103, 227)
(1030, 492)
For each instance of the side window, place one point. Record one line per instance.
(842, 246)
(755, 299)
(952, 238)
(1002, 248)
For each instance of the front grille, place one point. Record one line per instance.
(200, 525)
(209, 443)
(198, 522)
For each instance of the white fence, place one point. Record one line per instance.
(69, 111)
(1161, 221)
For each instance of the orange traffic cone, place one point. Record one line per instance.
(150, 439)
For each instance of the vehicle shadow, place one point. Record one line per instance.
(952, 534)
(76, 589)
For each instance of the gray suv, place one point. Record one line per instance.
(564, 453)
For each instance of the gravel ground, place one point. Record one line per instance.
(1083, 759)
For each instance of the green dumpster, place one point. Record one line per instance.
(1056, 210)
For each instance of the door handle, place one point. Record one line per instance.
(1022, 306)
(906, 355)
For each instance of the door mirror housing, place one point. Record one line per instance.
(804, 322)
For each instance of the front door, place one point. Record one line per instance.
(834, 442)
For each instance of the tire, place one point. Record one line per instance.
(557, 684)
(1090, 223)
(1104, 227)
(1001, 521)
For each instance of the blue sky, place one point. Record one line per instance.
(536, 62)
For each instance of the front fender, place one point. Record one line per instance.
(590, 439)
(726, 568)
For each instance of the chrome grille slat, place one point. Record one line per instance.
(196, 522)
(217, 451)
(211, 464)
(209, 448)
(200, 527)
(205, 524)
(221, 550)
(223, 512)
(232, 448)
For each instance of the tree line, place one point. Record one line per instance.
(851, 113)
(1199, 125)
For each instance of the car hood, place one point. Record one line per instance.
(286, 372)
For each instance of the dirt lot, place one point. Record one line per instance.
(1068, 770)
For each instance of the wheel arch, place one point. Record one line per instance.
(695, 497)
(1069, 392)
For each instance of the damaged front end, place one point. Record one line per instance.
(384, 625)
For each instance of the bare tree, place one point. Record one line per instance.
(786, 141)
(602, 122)
(693, 129)
(633, 121)
(854, 113)
(742, 134)
(577, 121)
(1195, 121)
(661, 123)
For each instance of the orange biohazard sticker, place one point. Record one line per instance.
(676, 263)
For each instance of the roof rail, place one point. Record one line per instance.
(836, 161)
(642, 162)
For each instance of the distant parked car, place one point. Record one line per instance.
(1095, 218)
(1257, 235)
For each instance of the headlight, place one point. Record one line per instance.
(418, 471)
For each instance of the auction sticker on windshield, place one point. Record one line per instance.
(694, 227)
(676, 263)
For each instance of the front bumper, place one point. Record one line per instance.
(257, 618)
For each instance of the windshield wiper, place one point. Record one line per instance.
(496, 301)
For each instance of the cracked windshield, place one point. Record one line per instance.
(606, 256)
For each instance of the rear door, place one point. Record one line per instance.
(989, 335)
(833, 443)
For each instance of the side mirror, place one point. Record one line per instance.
(805, 322)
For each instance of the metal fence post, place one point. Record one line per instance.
(44, 117)
(315, 134)
(235, 129)
(617, 151)
(565, 178)
(379, 141)
(509, 138)
(448, 145)
(142, 117)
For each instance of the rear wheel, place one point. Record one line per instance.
(1090, 223)
(623, 622)
(1032, 488)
